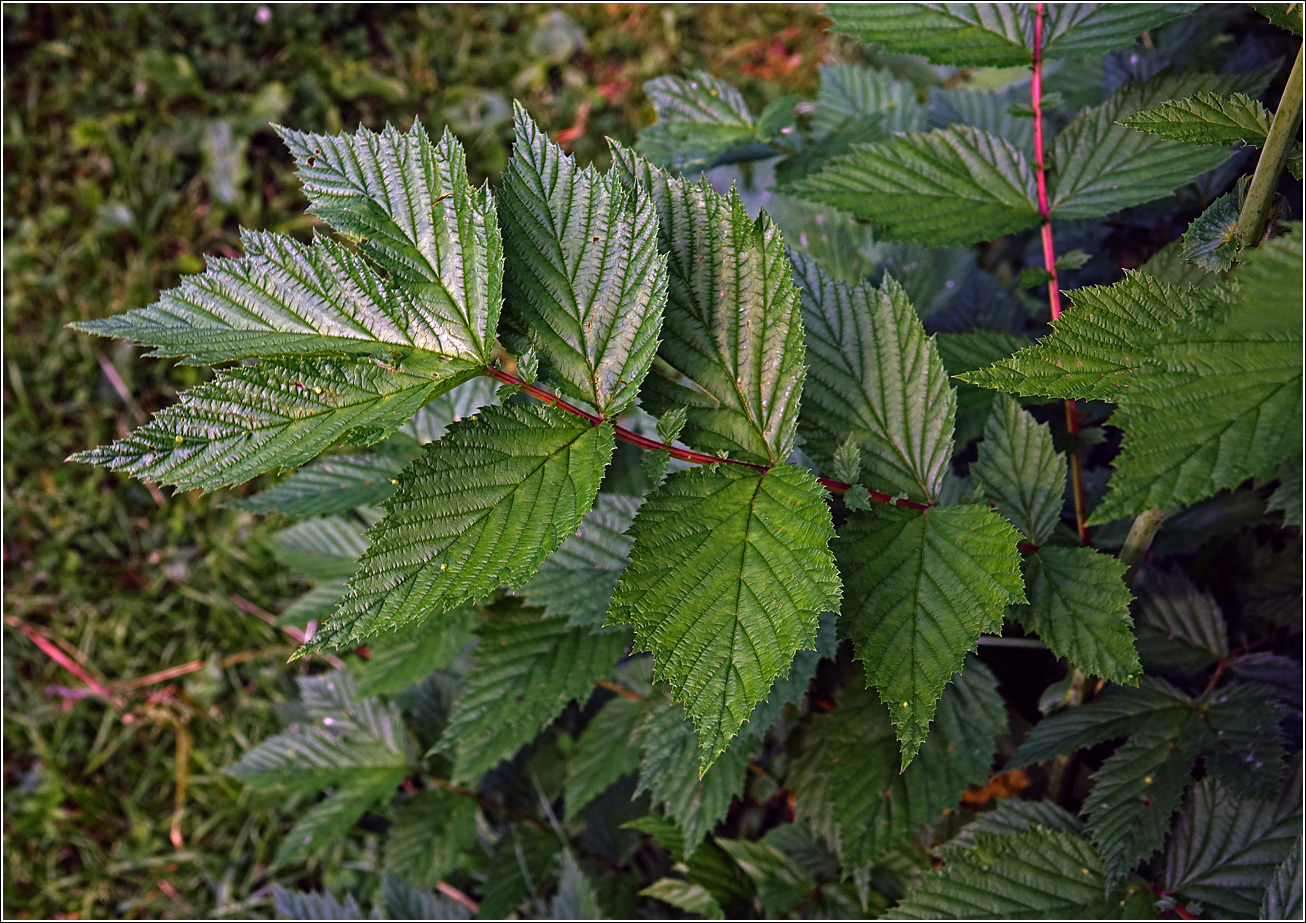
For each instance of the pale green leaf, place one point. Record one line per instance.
(729, 572)
(733, 326)
(849, 92)
(1018, 469)
(1100, 166)
(846, 776)
(401, 901)
(577, 580)
(669, 772)
(439, 413)
(949, 186)
(1079, 606)
(483, 507)
(1081, 30)
(687, 896)
(1226, 847)
(278, 414)
(1211, 241)
(410, 205)
(875, 376)
(1206, 118)
(335, 484)
(326, 548)
(316, 604)
(310, 905)
(524, 672)
(701, 118)
(584, 279)
(603, 753)
(283, 298)
(921, 586)
(575, 898)
(781, 883)
(428, 836)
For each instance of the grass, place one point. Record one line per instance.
(136, 142)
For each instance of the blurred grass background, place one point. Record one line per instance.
(136, 142)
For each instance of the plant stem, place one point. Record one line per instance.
(1050, 264)
(1139, 540)
(1283, 131)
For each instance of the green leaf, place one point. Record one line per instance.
(669, 772)
(846, 778)
(1100, 166)
(687, 896)
(584, 278)
(733, 325)
(287, 298)
(410, 205)
(1288, 496)
(1204, 405)
(1018, 469)
(525, 671)
(401, 901)
(1283, 895)
(333, 485)
(575, 898)
(1079, 605)
(781, 883)
(314, 605)
(428, 836)
(483, 507)
(1154, 708)
(578, 579)
(326, 548)
(1268, 293)
(729, 572)
(701, 118)
(1180, 628)
(963, 34)
(921, 586)
(875, 376)
(1211, 241)
(1245, 739)
(949, 186)
(1136, 793)
(409, 655)
(1284, 15)
(602, 754)
(849, 92)
(275, 415)
(1226, 847)
(518, 866)
(322, 824)
(1206, 118)
(439, 413)
(791, 689)
(966, 352)
(1080, 30)
(1036, 874)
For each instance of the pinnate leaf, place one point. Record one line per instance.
(729, 572)
(877, 378)
(920, 587)
(483, 507)
(584, 278)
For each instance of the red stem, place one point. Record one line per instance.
(1050, 264)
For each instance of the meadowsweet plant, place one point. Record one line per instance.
(666, 529)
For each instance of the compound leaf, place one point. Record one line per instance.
(956, 185)
(584, 277)
(876, 376)
(733, 325)
(728, 574)
(483, 507)
(921, 586)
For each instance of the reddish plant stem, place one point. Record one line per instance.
(699, 458)
(1050, 264)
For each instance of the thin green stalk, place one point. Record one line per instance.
(1283, 132)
